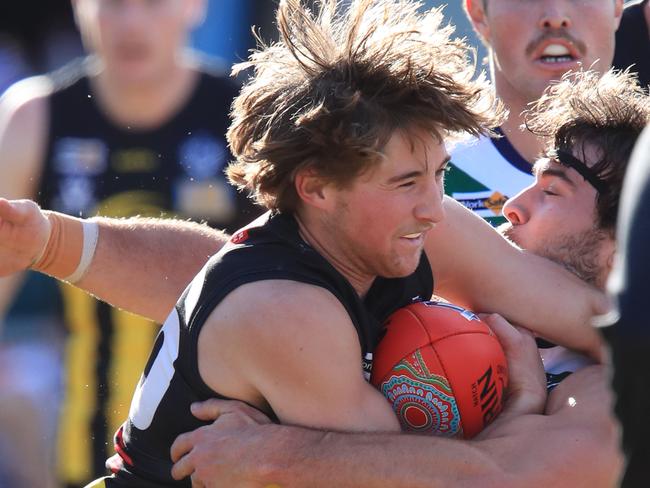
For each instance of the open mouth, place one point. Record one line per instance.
(413, 236)
(556, 53)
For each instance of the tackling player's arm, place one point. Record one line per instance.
(141, 265)
(23, 135)
(577, 433)
(574, 445)
(540, 451)
(477, 268)
(291, 348)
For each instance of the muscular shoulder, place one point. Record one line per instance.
(259, 317)
(271, 325)
(290, 306)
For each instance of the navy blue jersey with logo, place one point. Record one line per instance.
(269, 249)
(93, 166)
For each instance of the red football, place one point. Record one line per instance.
(441, 368)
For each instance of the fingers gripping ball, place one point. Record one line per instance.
(441, 368)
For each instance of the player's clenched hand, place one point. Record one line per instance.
(527, 381)
(24, 231)
(585, 399)
(229, 452)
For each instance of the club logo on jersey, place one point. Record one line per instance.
(485, 203)
(495, 202)
(239, 237)
(202, 156)
(75, 156)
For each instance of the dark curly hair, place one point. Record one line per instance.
(605, 114)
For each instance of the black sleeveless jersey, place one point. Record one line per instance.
(269, 248)
(633, 42)
(93, 166)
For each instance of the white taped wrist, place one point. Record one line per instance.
(91, 235)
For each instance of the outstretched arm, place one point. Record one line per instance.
(143, 265)
(140, 264)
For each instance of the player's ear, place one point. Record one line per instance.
(476, 11)
(312, 188)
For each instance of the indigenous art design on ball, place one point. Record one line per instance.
(423, 401)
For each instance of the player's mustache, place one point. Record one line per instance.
(561, 33)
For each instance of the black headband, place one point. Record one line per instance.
(568, 159)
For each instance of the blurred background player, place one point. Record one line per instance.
(529, 46)
(138, 127)
(633, 40)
